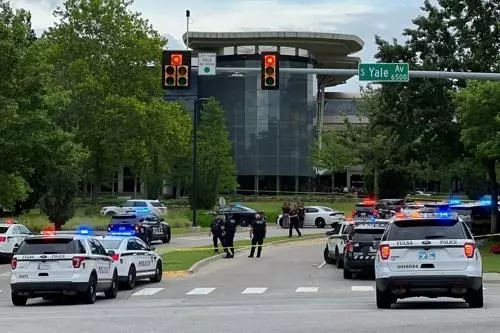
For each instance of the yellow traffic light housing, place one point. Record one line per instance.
(270, 71)
(177, 69)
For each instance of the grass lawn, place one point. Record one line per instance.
(183, 259)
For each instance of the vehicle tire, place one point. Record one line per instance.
(89, 296)
(327, 258)
(112, 292)
(340, 262)
(347, 274)
(320, 222)
(384, 299)
(166, 238)
(280, 222)
(18, 300)
(131, 278)
(111, 213)
(475, 298)
(158, 272)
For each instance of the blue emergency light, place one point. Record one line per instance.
(84, 230)
(121, 233)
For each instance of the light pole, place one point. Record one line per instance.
(195, 161)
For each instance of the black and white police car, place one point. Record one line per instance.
(428, 254)
(54, 264)
(361, 246)
(135, 260)
(147, 227)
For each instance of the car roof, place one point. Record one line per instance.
(113, 237)
(7, 224)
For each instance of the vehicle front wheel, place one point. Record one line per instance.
(384, 299)
(166, 238)
(112, 292)
(19, 300)
(320, 222)
(475, 298)
(326, 256)
(158, 273)
(340, 262)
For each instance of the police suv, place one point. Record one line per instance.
(361, 247)
(62, 264)
(428, 254)
(135, 260)
(147, 227)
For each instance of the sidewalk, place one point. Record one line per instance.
(491, 277)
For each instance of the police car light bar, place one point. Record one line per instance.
(417, 214)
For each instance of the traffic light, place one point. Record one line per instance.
(270, 73)
(176, 69)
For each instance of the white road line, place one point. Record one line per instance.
(254, 291)
(322, 264)
(362, 288)
(147, 291)
(4, 274)
(200, 291)
(306, 289)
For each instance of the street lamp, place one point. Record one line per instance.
(195, 162)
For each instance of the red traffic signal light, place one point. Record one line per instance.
(176, 59)
(176, 69)
(270, 71)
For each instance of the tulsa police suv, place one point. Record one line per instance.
(147, 227)
(62, 264)
(134, 258)
(431, 255)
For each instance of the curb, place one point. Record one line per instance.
(199, 264)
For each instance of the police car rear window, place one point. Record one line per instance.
(426, 229)
(367, 235)
(49, 246)
(124, 219)
(110, 244)
(3, 230)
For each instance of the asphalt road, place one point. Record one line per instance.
(287, 290)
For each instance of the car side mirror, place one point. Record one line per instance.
(152, 248)
(343, 237)
(111, 253)
(14, 250)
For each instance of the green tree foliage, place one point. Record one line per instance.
(480, 122)
(334, 153)
(106, 62)
(215, 168)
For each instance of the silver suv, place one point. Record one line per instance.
(431, 255)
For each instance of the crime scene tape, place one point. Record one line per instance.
(487, 235)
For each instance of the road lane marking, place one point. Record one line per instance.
(322, 264)
(147, 291)
(4, 274)
(200, 291)
(254, 291)
(362, 288)
(306, 289)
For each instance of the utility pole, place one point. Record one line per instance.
(188, 15)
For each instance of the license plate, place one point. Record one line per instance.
(43, 266)
(426, 255)
(363, 214)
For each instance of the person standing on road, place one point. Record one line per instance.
(257, 234)
(230, 231)
(285, 210)
(216, 230)
(301, 212)
(294, 221)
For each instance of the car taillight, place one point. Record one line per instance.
(115, 256)
(385, 251)
(375, 212)
(469, 249)
(77, 261)
(350, 247)
(137, 227)
(13, 263)
(3, 239)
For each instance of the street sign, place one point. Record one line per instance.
(207, 63)
(222, 202)
(384, 72)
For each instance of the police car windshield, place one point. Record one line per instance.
(426, 229)
(47, 246)
(3, 230)
(110, 244)
(367, 235)
(123, 219)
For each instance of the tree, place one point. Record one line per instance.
(480, 122)
(97, 48)
(216, 171)
(334, 154)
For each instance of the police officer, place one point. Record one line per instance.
(285, 219)
(294, 221)
(257, 233)
(301, 212)
(229, 232)
(216, 230)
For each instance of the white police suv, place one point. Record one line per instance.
(431, 255)
(135, 260)
(62, 264)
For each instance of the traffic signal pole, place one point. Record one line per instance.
(353, 72)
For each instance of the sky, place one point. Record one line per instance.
(364, 18)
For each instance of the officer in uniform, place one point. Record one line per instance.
(257, 233)
(229, 232)
(301, 212)
(216, 230)
(294, 221)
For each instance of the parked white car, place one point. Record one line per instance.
(11, 236)
(318, 216)
(136, 206)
